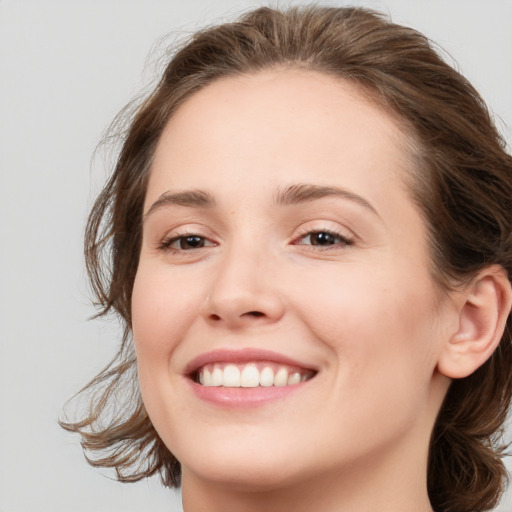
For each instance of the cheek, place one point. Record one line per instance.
(383, 355)
(375, 322)
(161, 315)
(161, 306)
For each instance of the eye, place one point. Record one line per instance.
(323, 239)
(186, 242)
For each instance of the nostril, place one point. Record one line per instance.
(255, 313)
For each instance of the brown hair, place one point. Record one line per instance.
(462, 184)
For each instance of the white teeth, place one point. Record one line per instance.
(281, 378)
(217, 376)
(294, 378)
(231, 377)
(250, 375)
(267, 377)
(205, 377)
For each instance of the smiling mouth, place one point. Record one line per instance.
(250, 375)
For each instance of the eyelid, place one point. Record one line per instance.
(308, 228)
(167, 241)
(342, 241)
(163, 242)
(345, 235)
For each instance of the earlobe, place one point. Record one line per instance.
(484, 308)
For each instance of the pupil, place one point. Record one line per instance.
(323, 239)
(191, 241)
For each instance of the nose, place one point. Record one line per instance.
(244, 291)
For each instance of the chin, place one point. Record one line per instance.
(247, 476)
(244, 464)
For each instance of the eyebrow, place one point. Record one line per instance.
(301, 193)
(291, 195)
(189, 198)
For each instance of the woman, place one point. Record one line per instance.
(310, 233)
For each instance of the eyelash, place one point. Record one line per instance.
(342, 240)
(166, 244)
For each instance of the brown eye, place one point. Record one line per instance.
(190, 242)
(186, 243)
(324, 239)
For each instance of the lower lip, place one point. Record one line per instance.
(244, 397)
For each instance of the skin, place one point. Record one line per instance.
(365, 314)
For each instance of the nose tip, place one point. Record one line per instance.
(235, 302)
(234, 313)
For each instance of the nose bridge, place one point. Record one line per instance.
(243, 289)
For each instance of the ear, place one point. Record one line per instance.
(483, 309)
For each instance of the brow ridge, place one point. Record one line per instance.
(290, 195)
(304, 192)
(188, 198)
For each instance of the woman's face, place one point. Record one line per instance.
(285, 320)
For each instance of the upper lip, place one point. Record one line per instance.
(245, 355)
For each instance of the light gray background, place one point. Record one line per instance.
(66, 68)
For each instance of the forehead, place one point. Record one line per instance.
(279, 125)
